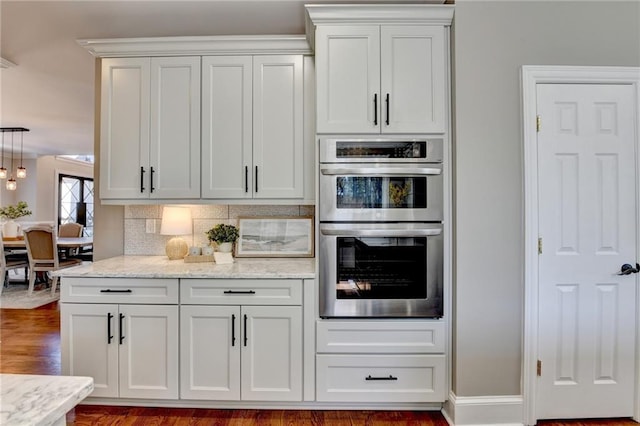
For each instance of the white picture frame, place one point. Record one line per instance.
(290, 236)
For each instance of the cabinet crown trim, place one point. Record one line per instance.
(353, 14)
(201, 45)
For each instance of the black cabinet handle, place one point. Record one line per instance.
(109, 335)
(387, 102)
(256, 178)
(152, 172)
(375, 109)
(141, 179)
(245, 331)
(116, 291)
(120, 328)
(381, 378)
(233, 330)
(246, 178)
(239, 292)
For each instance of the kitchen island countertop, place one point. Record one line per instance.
(162, 267)
(27, 399)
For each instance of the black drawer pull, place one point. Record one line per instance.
(239, 292)
(120, 328)
(116, 291)
(233, 330)
(369, 377)
(246, 338)
(141, 179)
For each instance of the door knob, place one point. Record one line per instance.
(628, 269)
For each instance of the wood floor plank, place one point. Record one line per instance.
(30, 344)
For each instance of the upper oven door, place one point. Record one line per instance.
(380, 192)
(389, 151)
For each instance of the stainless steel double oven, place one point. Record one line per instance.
(381, 243)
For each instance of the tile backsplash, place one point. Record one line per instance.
(137, 241)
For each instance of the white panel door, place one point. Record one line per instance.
(272, 353)
(587, 221)
(227, 163)
(148, 351)
(89, 345)
(210, 352)
(174, 170)
(348, 79)
(124, 128)
(412, 79)
(278, 137)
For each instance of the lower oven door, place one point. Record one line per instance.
(380, 270)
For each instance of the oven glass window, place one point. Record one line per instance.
(381, 268)
(378, 149)
(365, 192)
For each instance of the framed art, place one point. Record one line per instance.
(290, 236)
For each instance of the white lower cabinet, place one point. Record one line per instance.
(248, 351)
(380, 361)
(131, 351)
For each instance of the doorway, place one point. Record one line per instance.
(581, 225)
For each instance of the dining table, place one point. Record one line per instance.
(63, 243)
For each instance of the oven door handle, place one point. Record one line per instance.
(380, 232)
(382, 171)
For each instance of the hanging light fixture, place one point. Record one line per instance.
(11, 183)
(21, 172)
(3, 169)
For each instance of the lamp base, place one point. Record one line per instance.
(176, 248)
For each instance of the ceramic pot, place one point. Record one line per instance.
(225, 247)
(10, 229)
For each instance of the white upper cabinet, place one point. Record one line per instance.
(150, 128)
(253, 141)
(376, 74)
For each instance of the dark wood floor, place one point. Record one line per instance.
(30, 344)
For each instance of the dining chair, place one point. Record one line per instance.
(9, 262)
(42, 252)
(70, 230)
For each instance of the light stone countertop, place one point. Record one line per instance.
(27, 399)
(162, 267)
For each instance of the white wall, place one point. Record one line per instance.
(26, 188)
(492, 40)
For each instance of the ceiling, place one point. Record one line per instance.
(50, 89)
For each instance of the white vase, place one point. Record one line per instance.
(10, 229)
(225, 247)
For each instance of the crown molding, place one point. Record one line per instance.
(207, 45)
(425, 14)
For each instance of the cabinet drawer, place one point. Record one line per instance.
(160, 291)
(396, 336)
(240, 292)
(380, 378)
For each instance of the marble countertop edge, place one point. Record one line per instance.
(162, 267)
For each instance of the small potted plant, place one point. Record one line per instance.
(224, 236)
(9, 214)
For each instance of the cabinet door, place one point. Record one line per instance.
(89, 345)
(413, 79)
(148, 351)
(124, 134)
(348, 79)
(210, 352)
(175, 128)
(278, 137)
(272, 353)
(227, 169)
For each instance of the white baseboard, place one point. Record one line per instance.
(484, 410)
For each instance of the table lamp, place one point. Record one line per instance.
(176, 221)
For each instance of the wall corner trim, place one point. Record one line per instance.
(484, 410)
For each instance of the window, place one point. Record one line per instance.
(75, 203)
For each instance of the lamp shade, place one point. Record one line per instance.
(176, 221)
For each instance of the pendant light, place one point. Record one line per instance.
(3, 169)
(21, 172)
(11, 183)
